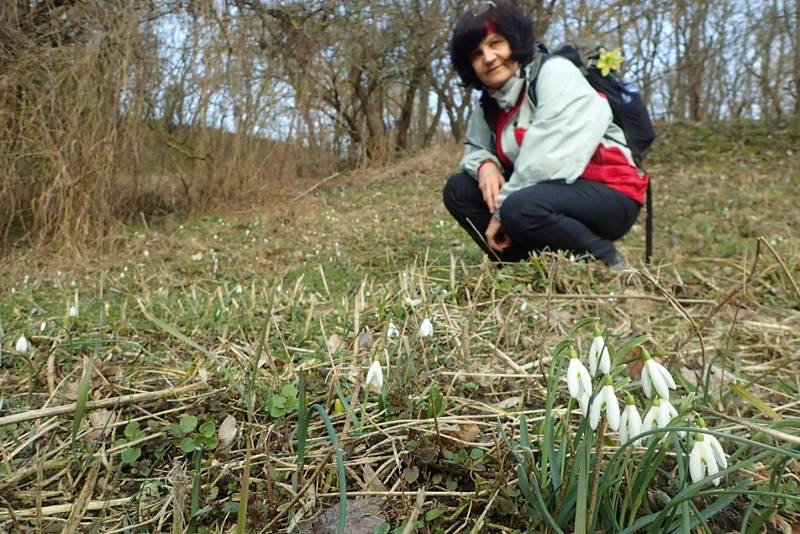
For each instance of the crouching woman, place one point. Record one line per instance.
(554, 175)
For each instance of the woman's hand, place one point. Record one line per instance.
(496, 237)
(490, 181)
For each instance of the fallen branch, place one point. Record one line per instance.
(58, 509)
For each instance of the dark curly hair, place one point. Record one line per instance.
(503, 18)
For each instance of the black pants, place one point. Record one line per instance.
(582, 217)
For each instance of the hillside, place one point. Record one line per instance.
(244, 320)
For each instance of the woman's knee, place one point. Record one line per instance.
(520, 213)
(455, 190)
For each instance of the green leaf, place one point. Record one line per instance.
(174, 430)
(188, 423)
(276, 412)
(759, 404)
(289, 391)
(188, 445)
(290, 404)
(437, 404)
(433, 513)
(383, 528)
(206, 442)
(476, 453)
(411, 474)
(132, 431)
(120, 442)
(207, 429)
(131, 455)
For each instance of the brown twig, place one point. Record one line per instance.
(300, 493)
(104, 403)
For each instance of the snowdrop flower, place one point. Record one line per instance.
(707, 456)
(630, 424)
(22, 344)
(426, 328)
(375, 377)
(605, 400)
(598, 354)
(659, 415)
(655, 376)
(413, 303)
(72, 312)
(579, 382)
(146, 253)
(43, 326)
(392, 331)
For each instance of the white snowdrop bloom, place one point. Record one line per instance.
(578, 381)
(659, 415)
(146, 253)
(198, 256)
(374, 380)
(655, 376)
(238, 289)
(524, 306)
(72, 312)
(392, 331)
(43, 326)
(598, 355)
(606, 401)
(707, 457)
(630, 424)
(666, 413)
(412, 302)
(22, 344)
(426, 328)
(583, 403)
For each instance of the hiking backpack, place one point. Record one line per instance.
(627, 106)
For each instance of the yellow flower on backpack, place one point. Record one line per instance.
(609, 60)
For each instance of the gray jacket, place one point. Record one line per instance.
(561, 134)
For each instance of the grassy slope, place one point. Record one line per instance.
(346, 257)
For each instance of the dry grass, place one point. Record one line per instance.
(307, 277)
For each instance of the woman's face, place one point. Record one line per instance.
(492, 61)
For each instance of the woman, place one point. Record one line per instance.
(556, 175)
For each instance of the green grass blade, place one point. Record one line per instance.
(582, 503)
(83, 396)
(339, 467)
(302, 431)
(194, 506)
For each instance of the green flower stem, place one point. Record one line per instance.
(598, 451)
(568, 471)
(195, 503)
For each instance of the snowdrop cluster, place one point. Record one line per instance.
(707, 456)
(655, 378)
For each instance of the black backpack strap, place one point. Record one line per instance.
(540, 56)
